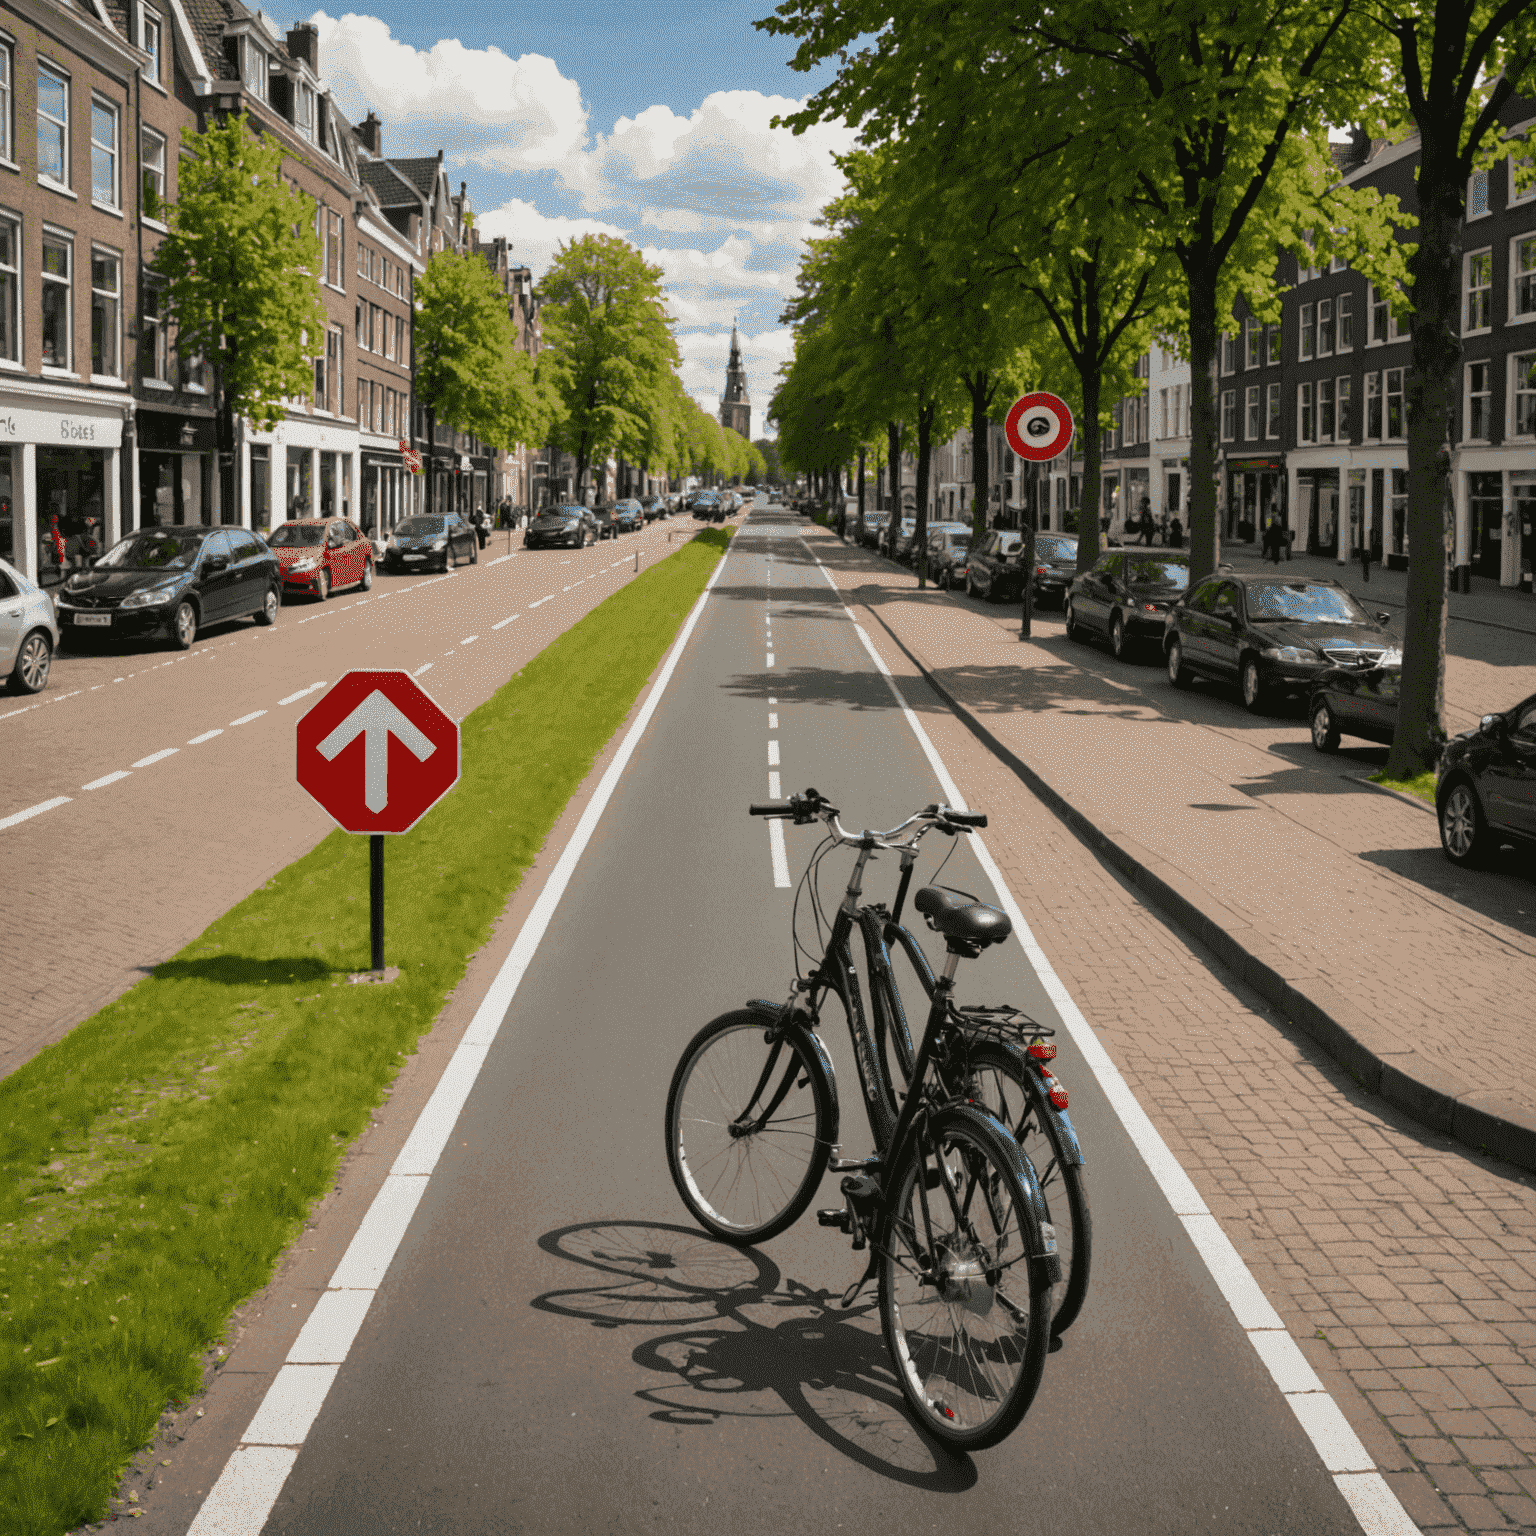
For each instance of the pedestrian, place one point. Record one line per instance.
(1163, 530)
(1365, 560)
(56, 538)
(1272, 540)
(1176, 532)
(1148, 527)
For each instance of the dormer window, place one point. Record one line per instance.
(254, 69)
(149, 41)
(304, 110)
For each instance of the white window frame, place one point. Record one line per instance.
(151, 26)
(1343, 392)
(1304, 348)
(255, 73)
(1162, 403)
(7, 100)
(1515, 393)
(67, 283)
(1272, 345)
(14, 273)
(1306, 420)
(105, 104)
(1468, 395)
(1324, 328)
(1467, 290)
(1373, 396)
(48, 67)
(1344, 324)
(1252, 405)
(1229, 415)
(1474, 181)
(1387, 397)
(115, 371)
(1253, 335)
(1272, 413)
(1377, 304)
(362, 258)
(1516, 317)
(148, 169)
(1517, 197)
(1327, 411)
(304, 98)
(152, 329)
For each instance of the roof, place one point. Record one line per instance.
(422, 174)
(388, 185)
(207, 19)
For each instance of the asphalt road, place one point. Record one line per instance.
(554, 1347)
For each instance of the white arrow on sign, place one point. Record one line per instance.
(376, 719)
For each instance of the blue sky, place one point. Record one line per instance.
(647, 121)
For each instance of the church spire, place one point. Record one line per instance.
(735, 407)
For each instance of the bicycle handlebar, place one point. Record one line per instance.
(812, 806)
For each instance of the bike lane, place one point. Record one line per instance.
(553, 1347)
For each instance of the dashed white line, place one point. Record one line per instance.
(109, 778)
(770, 658)
(498, 560)
(772, 700)
(540, 603)
(425, 667)
(502, 624)
(300, 694)
(25, 707)
(773, 722)
(469, 639)
(773, 754)
(197, 741)
(32, 810)
(255, 714)
(774, 792)
(778, 853)
(157, 757)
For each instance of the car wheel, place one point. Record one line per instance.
(184, 626)
(1074, 629)
(1325, 730)
(1463, 827)
(30, 674)
(267, 613)
(1117, 637)
(367, 582)
(1178, 673)
(322, 586)
(1255, 694)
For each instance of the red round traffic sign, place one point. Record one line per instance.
(1039, 426)
(377, 752)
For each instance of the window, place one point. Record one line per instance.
(304, 109)
(52, 125)
(253, 64)
(106, 310)
(335, 399)
(362, 259)
(1229, 354)
(10, 289)
(1272, 413)
(1373, 406)
(1306, 330)
(389, 336)
(1478, 315)
(58, 315)
(1251, 413)
(1346, 426)
(7, 148)
(153, 359)
(1523, 394)
(1394, 391)
(1271, 344)
(400, 339)
(1305, 415)
(149, 41)
(1477, 195)
(1252, 333)
(1519, 171)
(194, 372)
(1325, 419)
(103, 152)
(1325, 327)
(333, 248)
(1162, 405)
(1380, 316)
(1228, 415)
(321, 382)
(362, 397)
(376, 318)
(1345, 322)
(1522, 276)
(1479, 401)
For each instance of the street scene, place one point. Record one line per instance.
(806, 801)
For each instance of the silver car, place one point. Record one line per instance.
(29, 632)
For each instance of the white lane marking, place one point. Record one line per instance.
(25, 707)
(425, 667)
(110, 778)
(197, 741)
(770, 658)
(773, 754)
(498, 560)
(240, 1502)
(469, 639)
(1366, 1492)
(774, 792)
(778, 854)
(17, 817)
(773, 722)
(157, 757)
(255, 714)
(301, 693)
(502, 623)
(772, 700)
(540, 603)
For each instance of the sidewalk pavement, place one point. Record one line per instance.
(1309, 896)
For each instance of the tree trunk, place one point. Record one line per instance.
(1432, 391)
(925, 417)
(861, 494)
(1088, 507)
(893, 443)
(981, 391)
(1204, 534)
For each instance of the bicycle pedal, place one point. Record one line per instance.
(830, 1218)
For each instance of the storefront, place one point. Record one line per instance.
(303, 469)
(385, 492)
(1255, 494)
(1318, 510)
(1486, 530)
(176, 454)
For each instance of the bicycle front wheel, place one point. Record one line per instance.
(963, 1300)
(750, 1123)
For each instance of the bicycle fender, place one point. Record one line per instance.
(1046, 1259)
(810, 1043)
(1069, 1150)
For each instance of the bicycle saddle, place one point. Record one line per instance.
(958, 917)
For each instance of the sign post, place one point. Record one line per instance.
(1038, 428)
(377, 754)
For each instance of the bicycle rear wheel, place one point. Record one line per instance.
(1007, 1086)
(963, 1299)
(750, 1124)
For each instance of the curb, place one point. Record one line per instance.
(1416, 1085)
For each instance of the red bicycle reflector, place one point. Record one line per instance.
(1058, 1097)
(1043, 1050)
(1042, 570)
(1150, 607)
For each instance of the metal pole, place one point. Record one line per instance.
(376, 899)
(1028, 552)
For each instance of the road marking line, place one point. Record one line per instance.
(778, 854)
(774, 792)
(18, 817)
(773, 722)
(197, 741)
(301, 693)
(773, 754)
(1366, 1492)
(157, 757)
(255, 714)
(25, 707)
(110, 778)
(447, 653)
(240, 1502)
(770, 658)
(772, 700)
(426, 667)
(469, 639)
(502, 624)
(498, 560)
(542, 601)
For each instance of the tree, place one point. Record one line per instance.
(241, 263)
(608, 346)
(773, 470)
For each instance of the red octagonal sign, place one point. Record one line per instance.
(377, 752)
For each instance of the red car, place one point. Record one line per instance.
(320, 554)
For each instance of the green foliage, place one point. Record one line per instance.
(241, 264)
(773, 468)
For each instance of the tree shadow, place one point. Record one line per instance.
(240, 970)
(732, 1338)
(1504, 891)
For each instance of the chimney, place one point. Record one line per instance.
(304, 43)
(370, 135)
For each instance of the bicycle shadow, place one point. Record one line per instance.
(740, 1340)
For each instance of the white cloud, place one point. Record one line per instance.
(535, 236)
(724, 268)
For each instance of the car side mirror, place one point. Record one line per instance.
(1383, 618)
(1492, 725)
(216, 563)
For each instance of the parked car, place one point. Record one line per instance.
(906, 546)
(29, 632)
(1355, 701)
(440, 538)
(874, 527)
(652, 507)
(628, 515)
(320, 554)
(1055, 567)
(1126, 597)
(994, 568)
(1485, 786)
(568, 526)
(607, 520)
(1271, 636)
(705, 505)
(171, 581)
(947, 551)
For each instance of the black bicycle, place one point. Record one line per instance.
(949, 1207)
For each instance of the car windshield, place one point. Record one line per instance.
(1055, 549)
(1300, 602)
(154, 551)
(1157, 573)
(959, 541)
(297, 535)
(417, 527)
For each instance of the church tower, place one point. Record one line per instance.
(735, 407)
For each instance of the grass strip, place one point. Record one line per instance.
(159, 1159)
(1421, 786)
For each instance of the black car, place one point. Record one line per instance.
(1485, 786)
(947, 551)
(440, 538)
(567, 527)
(629, 516)
(1354, 701)
(1055, 567)
(1126, 597)
(1271, 636)
(706, 506)
(607, 523)
(652, 507)
(994, 569)
(874, 528)
(171, 582)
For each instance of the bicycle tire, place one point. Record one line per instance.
(969, 1353)
(1012, 1092)
(747, 1188)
